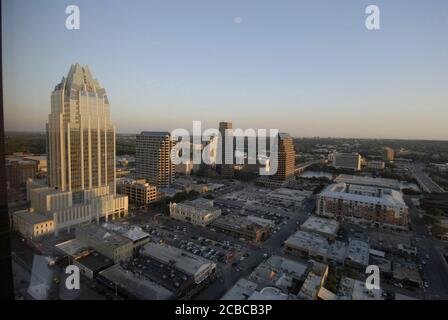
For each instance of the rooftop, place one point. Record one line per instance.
(102, 235)
(242, 290)
(236, 221)
(350, 289)
(278, 271)
(341, 190)
(95, 261)
(155, 133)
(135, 284)
(311, 286)
(369, 181)
(200, 204)
(32, 217)
(269, 293)
(133, 233)
(356, 250)
(178, 258)
(322, 225)
(73, 248)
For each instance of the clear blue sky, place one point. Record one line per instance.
(309, 68)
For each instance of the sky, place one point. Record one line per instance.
(310, 68)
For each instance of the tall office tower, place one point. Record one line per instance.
(80, 137)
(389, 154)
(153, 158)
(286, 158)
(226, 169)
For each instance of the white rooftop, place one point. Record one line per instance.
(368, 181)
(180, 259)
(350, 289)
(133, 233)
(323, 225)
(388, 197)
(355, 250)
(242, 290)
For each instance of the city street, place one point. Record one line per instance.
(435, 271)
(424, 180)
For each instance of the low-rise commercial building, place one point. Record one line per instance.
(32, 224)
(133, 285)
(111, 245)
(406, 272)
(192, 265)
(322, 226)
(282, 273)
(91, 264)
(279, 278)
(288, 197)
(248, 227)
(305, 244)
(199, 211)
(351, 289)
(134, 233)
(312, 285)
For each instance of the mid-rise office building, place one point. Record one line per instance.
(18, 171)
(347, 161)
(139, 192)
(153, 158)
(376, 165)
(389, 154)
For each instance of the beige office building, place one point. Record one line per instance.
(389, 154)
(139, 191)
(286, 157)
(32, 225)
(153, 158)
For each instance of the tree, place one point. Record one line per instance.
(435, 212)
(439, 231)
(431, 220)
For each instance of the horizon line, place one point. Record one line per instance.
(294, 137)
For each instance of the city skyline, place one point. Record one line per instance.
(263, 67)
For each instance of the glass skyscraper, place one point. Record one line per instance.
(80, 137)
